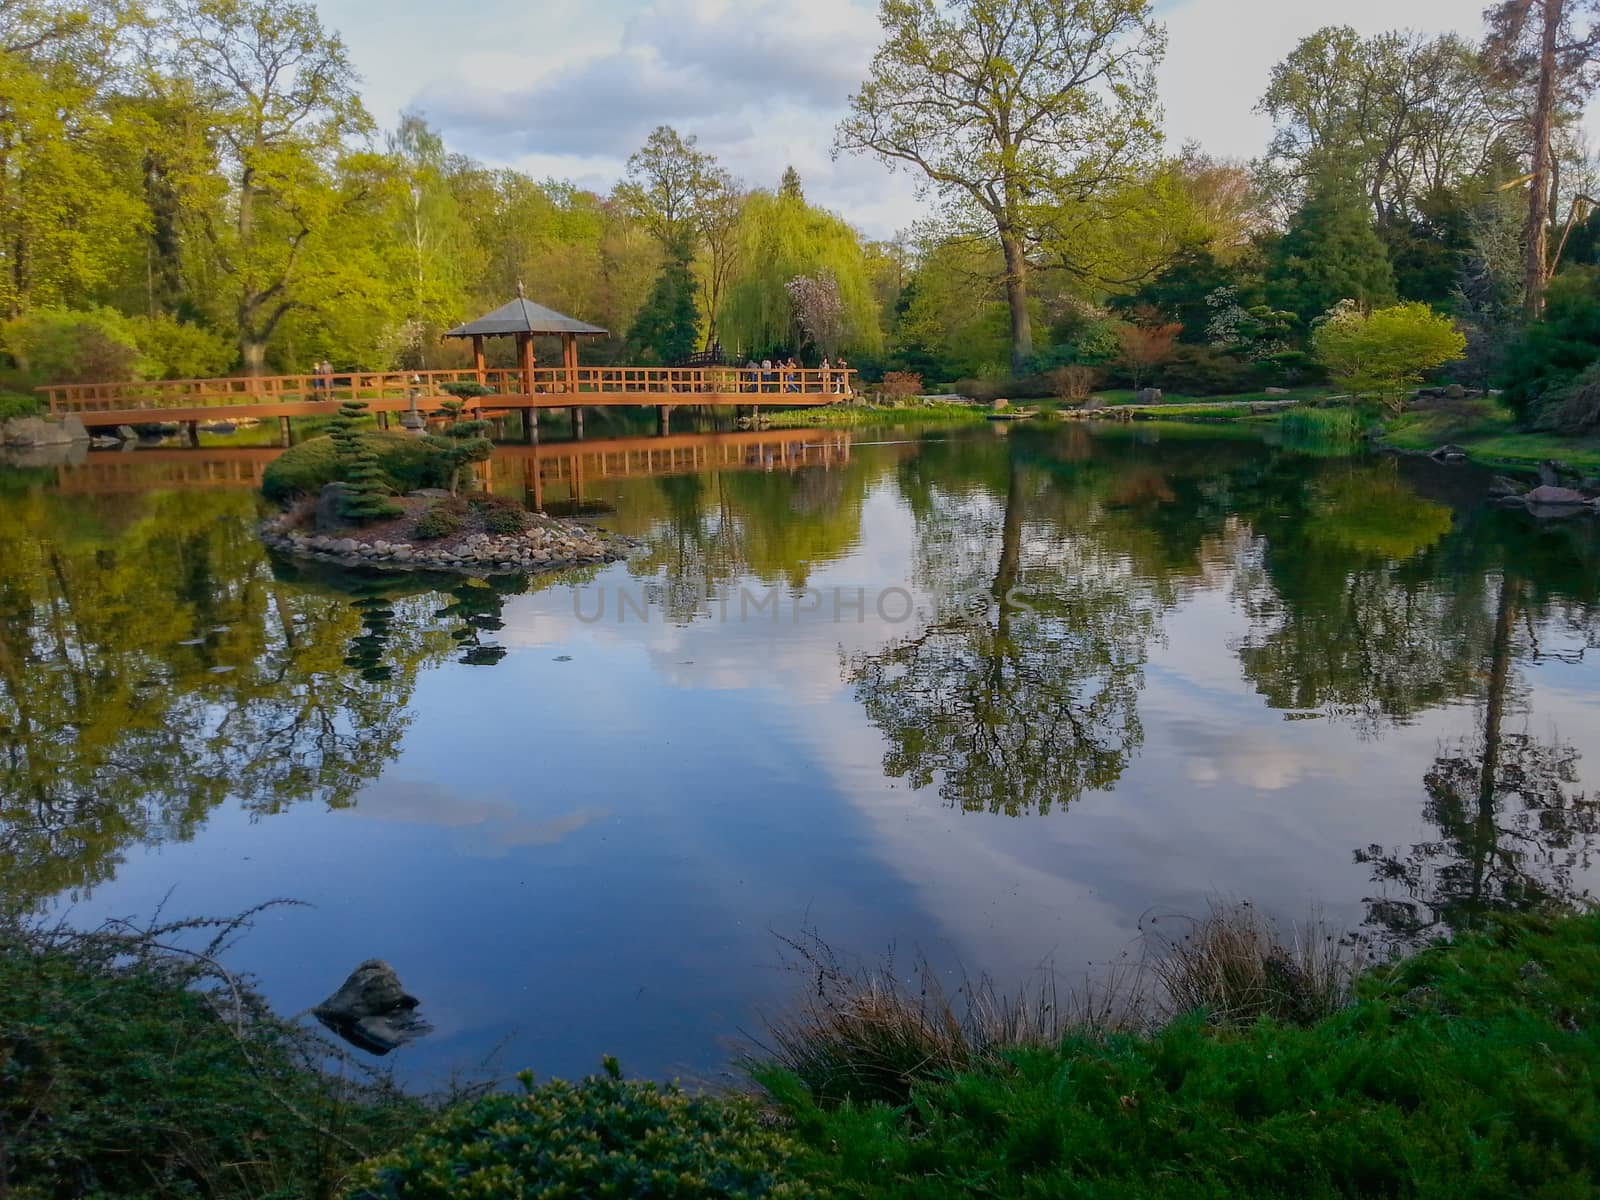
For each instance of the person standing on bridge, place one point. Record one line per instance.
(826, 373)
(843, 368)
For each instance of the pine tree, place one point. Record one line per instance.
(666, 328)
(790, 186)
(1330, 252)
(461, 443)
(365, 496)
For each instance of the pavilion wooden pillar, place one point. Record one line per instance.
(569, 363)
(478, 362)
(530, 414)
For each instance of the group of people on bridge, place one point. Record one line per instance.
(785, 375)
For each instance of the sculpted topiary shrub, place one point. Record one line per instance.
(603, 1136)
(406, 462)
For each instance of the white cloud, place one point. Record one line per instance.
(568, 88)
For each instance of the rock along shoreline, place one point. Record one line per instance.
(548, 544)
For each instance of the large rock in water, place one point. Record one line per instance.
(36, 431)
(371, 1010)
(1556, 496)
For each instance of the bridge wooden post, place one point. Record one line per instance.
(383, 420)
(577, 421)
(530, 425)
(194, 434)
(285, 432)
(663, 419)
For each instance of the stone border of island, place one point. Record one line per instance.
(548, 544)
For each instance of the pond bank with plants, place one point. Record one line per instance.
(136, 1065)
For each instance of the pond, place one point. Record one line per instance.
(998, 697)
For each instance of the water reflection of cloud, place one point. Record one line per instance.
(480, 827)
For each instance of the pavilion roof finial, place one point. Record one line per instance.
(521, 291)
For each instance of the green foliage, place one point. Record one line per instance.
(57, 345)
(1561, 343)
(125, 1072)
(1470, 1070)
(406, 462)
(441, 519)
(666, 329)
(1342, 426)
(1329, 253)
(602, 1136)
(1570, 408)
(366, 491)
(20, 404)
(504, 520)
(173, 349)
(1385, 351)
(779, 238)
(1016, 111)
(461, 444)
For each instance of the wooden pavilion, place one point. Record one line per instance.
(522, 319)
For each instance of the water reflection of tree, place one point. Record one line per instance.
(1356, 611)
(152, 665)
(1512, 830)
(723, 527)
(1020, 691)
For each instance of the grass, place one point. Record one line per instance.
(850, 415)
(1487, 430)
(1114, 396)
(1345, 425)
(1470, 1070)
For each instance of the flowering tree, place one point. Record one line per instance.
(818, 309)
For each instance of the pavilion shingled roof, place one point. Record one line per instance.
(522, 315)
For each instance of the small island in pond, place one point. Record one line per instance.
(401, 501)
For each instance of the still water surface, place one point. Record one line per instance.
(994, 696)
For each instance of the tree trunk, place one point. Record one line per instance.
(253, 351)
(1484, 833)
(1536, 232)
(1017, 300)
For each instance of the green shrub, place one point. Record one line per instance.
(406, 463)
(603, 1136)
(1560, 344)
(18, 404)
(59, 345)
(441, 520)
(174, 349)
(1572, 407)
(126, 1071)
(504, 520)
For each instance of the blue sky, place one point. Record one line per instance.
(567, 88)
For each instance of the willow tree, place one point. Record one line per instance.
(781, 238)
(1009, 108)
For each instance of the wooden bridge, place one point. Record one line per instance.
(529, 389)
(565, 467)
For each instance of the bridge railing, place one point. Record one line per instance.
(86, 399)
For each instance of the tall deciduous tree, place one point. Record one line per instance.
(1408, 114)
(69, 210)
(282, 98)
(664, 182)
(1008, 107)
(1548, 49)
